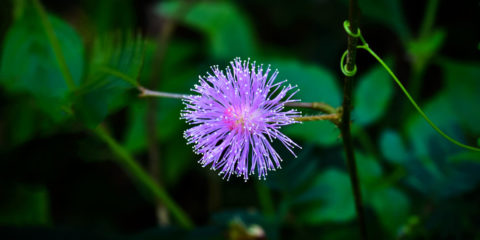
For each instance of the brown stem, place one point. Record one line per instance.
(345, 121)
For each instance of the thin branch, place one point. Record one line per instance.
(333, 117)
(345, 121)
(150, 93)
(323, 107)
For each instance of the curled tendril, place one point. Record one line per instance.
(343, 67)
(346, 25)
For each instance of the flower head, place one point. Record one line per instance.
(236, 117)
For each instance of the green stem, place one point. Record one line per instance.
(131, 166)
(410, 98)
(57, 50)
(415, 105)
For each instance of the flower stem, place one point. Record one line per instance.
(136, 171)
(322, 107)
(144, 92)
(345, 120)
(333, 117)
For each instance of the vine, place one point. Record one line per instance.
(366, 47)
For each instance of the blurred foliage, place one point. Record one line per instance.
(55, 181)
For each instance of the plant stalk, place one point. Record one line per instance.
(345, 120)
(135, 170)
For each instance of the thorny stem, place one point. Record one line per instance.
(345, 120)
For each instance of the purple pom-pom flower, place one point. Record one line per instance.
(236, 117)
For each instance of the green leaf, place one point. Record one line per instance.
(463, 88)
(390, 204)
(392, 207)
(430, 171)
(443, 113)
(25, 206)
(328, 200)
(372, 96)
(114, 67)
(319, 132)
(368, 169)
(393, 147)
(468, 156)
(135, 139)
(316, 84)
(228, 31)
(424, 48)
(28, 63)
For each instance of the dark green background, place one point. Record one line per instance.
(58, 180)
